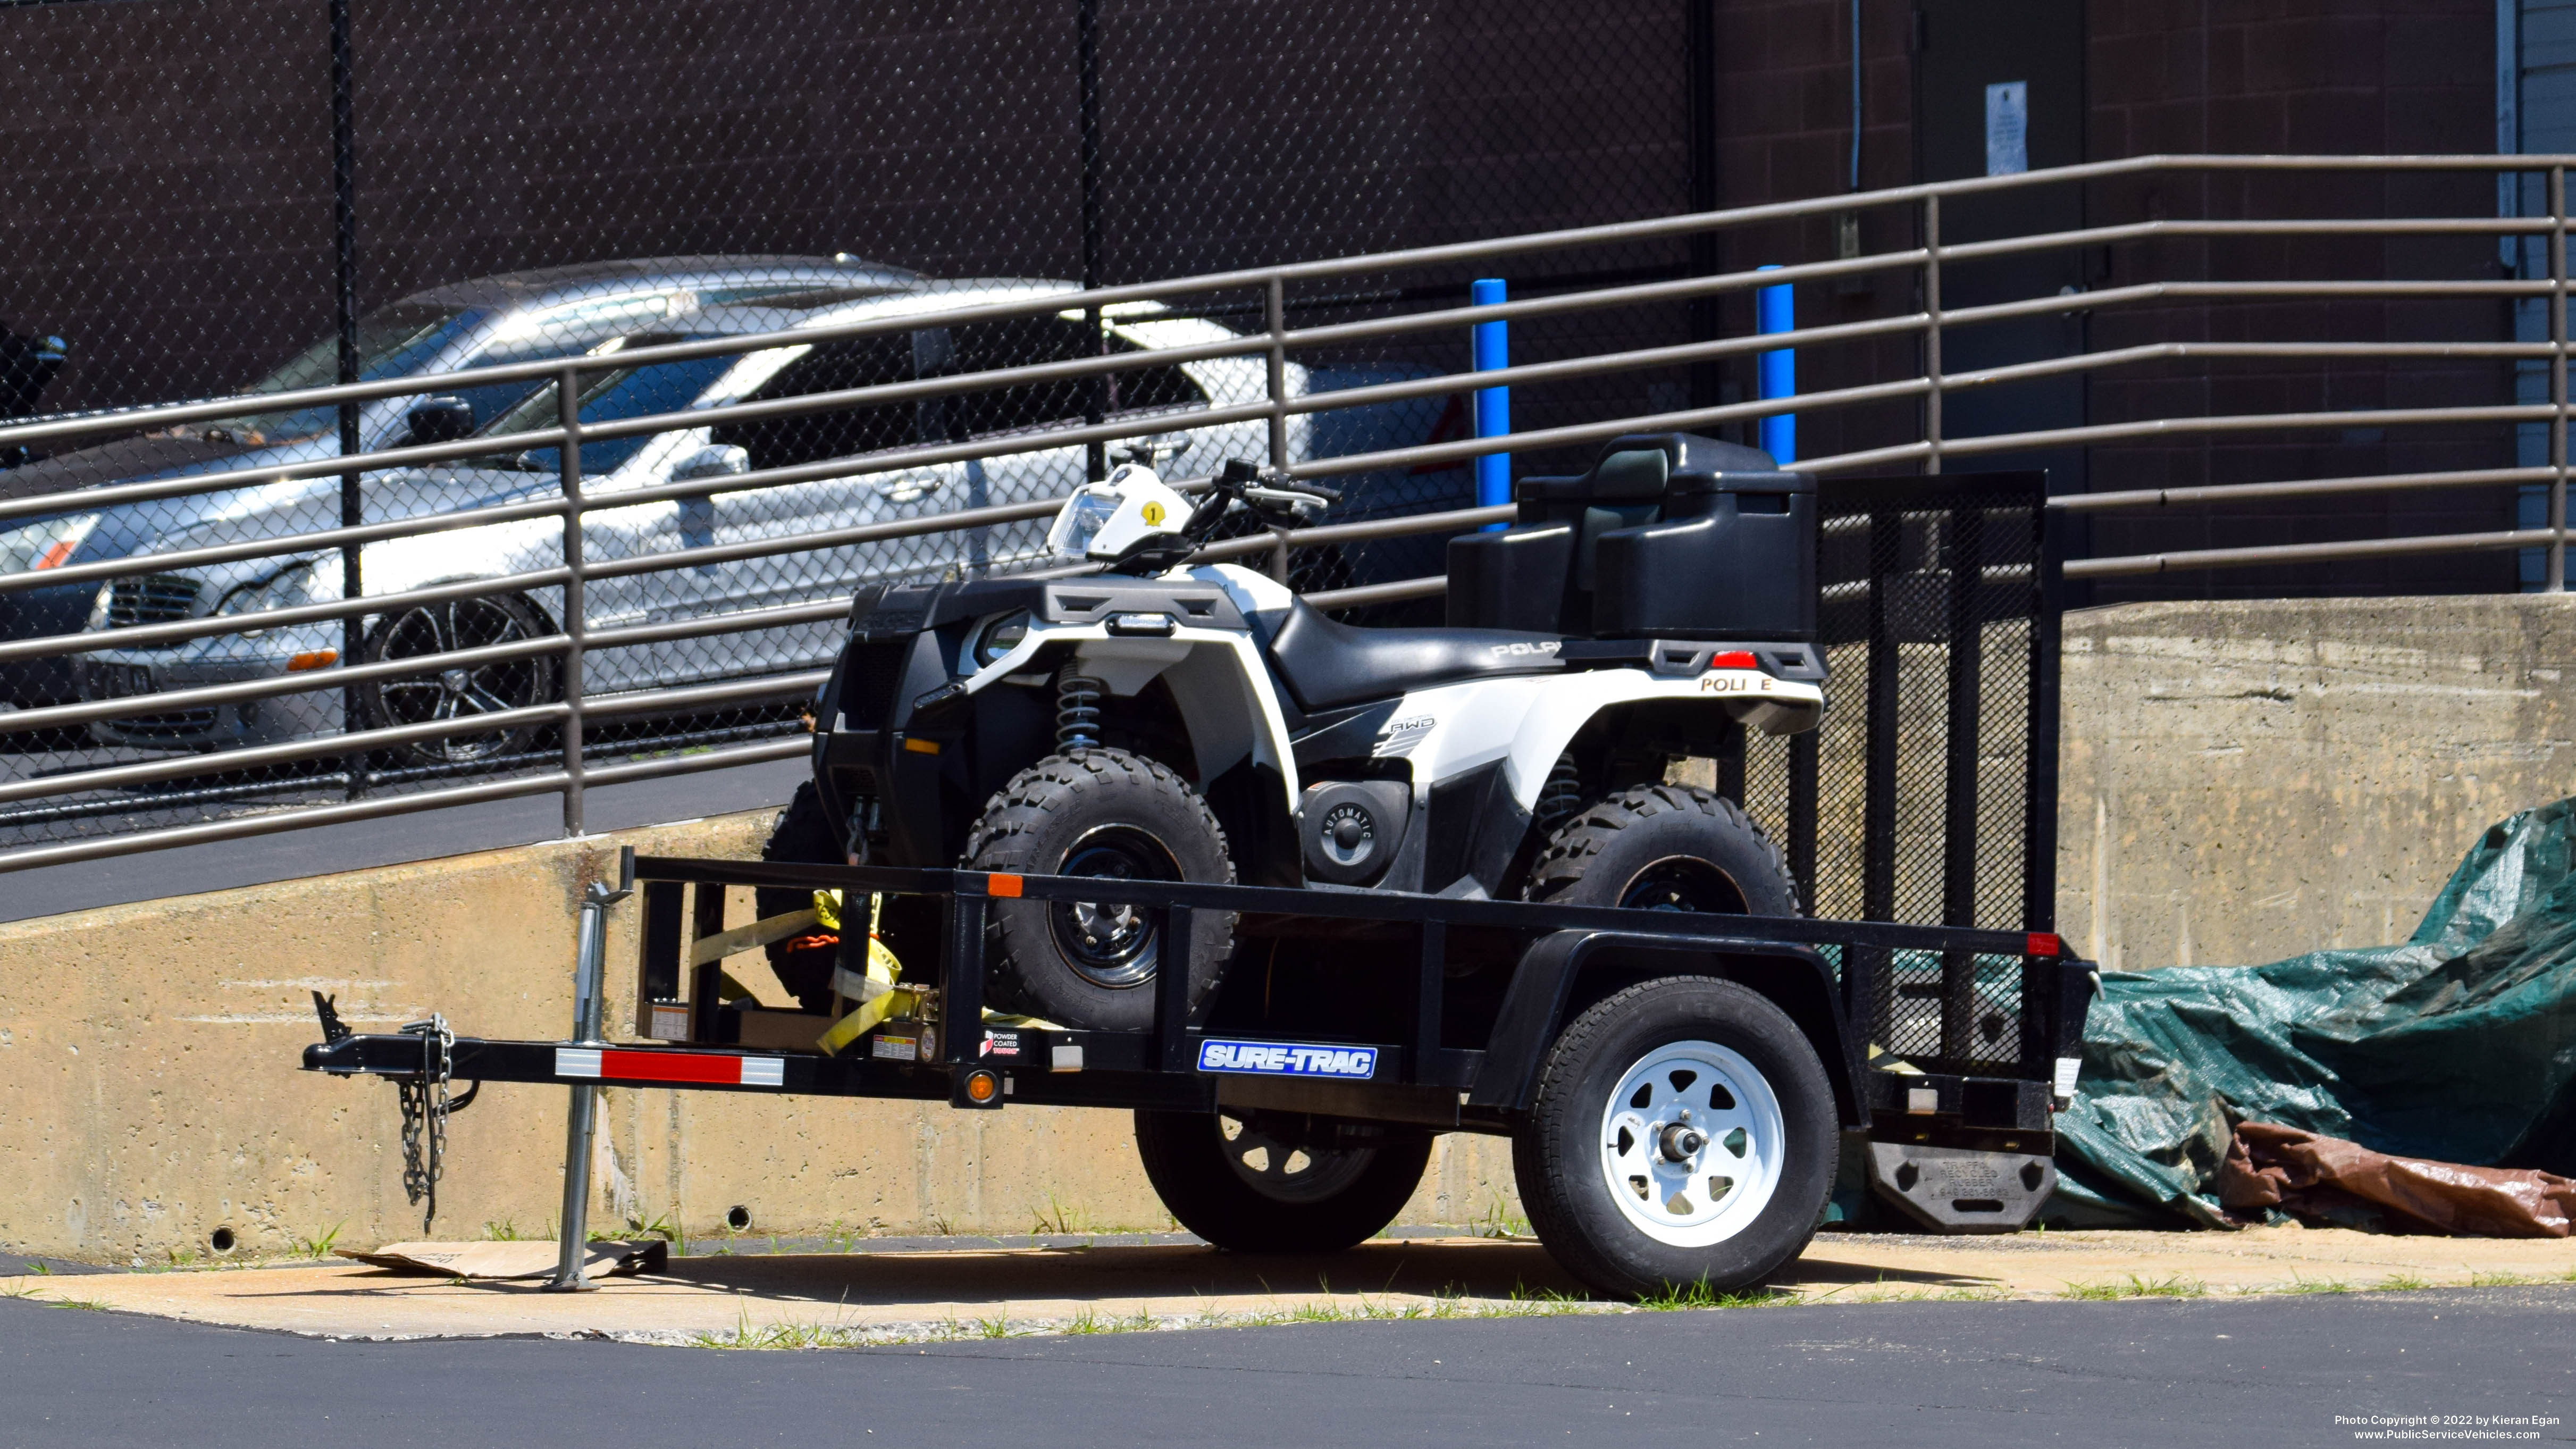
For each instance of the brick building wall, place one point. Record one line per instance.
(2251, 76)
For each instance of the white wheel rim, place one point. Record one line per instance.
(1690, 1144)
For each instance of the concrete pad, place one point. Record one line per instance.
(800, 1300)
(924, 1294)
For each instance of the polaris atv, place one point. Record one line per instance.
(1150, 718)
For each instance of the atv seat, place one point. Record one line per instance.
(1326, 664)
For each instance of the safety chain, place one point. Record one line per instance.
(425, 1107)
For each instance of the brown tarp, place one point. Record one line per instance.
(2312, 1176)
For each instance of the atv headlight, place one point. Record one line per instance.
(1000, 635)
(285, 589)
(1081, 522)
(44, 544)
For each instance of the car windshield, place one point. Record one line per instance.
(391, 341)
(631, 392)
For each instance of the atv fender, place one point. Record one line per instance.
(1528, 722)
(1216, 678)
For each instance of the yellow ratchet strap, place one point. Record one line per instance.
(876, 993)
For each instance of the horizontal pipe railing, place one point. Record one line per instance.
(1282, 401)
(2299, 553)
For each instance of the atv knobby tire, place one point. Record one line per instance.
(1683, 1134)
(1108, 813)
(1665, 847)
(1228, 1182)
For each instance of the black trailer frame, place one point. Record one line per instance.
(1820, 972)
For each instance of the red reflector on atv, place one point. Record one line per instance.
(1734, 659)
(2044, 943)
(1002, 885)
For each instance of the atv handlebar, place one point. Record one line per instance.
(1267, 491)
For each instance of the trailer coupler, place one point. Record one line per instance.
(422, 1063)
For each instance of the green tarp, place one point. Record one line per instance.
(2459, 1045)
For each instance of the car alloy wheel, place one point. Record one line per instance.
(460, 692)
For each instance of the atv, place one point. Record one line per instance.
(1138, 716)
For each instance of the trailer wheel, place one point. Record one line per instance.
(1665, 848)
(1248, 1188)
(1104, 813)
(1683, 1134)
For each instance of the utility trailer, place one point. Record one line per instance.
(1678, 1085)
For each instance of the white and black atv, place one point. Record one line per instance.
(1150, 718)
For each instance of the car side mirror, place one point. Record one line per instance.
(720, 460)
(441, 420)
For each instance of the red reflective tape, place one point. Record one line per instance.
(652, 1066)
(2043, 943)
(1733, 659)
(1007, 886)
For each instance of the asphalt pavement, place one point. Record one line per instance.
(393, 840)
(2268, 1371)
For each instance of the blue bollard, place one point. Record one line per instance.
(1776, 310)
(1492, 351)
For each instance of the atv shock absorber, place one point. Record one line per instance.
(1077, 711)
(1560, 797)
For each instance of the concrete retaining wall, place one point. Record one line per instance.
(149, 1092)
(2244, 781)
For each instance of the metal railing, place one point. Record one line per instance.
(1278, 410)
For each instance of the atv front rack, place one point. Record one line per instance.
(2022, 999)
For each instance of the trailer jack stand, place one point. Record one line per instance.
(582, 1122)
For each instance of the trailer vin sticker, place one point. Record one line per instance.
(1288, 1059)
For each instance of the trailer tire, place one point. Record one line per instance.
(1199, 1165)
(1636, 1198)
(1668, 848)
(805, 834)
(1109, 813)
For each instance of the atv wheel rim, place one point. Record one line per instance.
(1107, 945)
(1683, 883)
(1289, 1172)
(1690, 1144)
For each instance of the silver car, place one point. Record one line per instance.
(793, 575)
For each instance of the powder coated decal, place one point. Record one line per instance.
(1288, 1059)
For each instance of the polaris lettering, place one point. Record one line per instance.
(1288, 1059)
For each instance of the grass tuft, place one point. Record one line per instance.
(1496, 1221)
(2134, 1286)
(320, 1244)
(1062, 1220)
(1677, 1297)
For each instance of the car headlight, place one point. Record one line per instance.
(1000, 635)
(44, 544)
(286, 589)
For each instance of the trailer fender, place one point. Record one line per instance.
(1560, 971)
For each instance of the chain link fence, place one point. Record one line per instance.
(258, 197)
